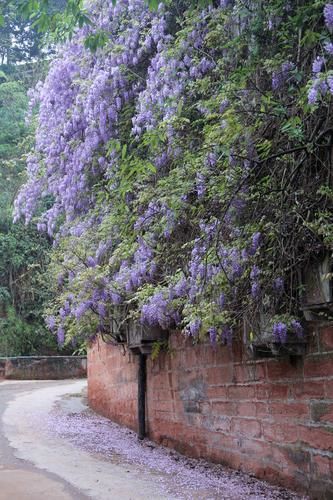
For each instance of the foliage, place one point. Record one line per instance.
(21, 338)
(19, 42)
(158, 347)
(187, 164)
(58, 19)
(12, 111)
(23, 251)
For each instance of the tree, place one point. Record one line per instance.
(58, 19)
(13, 106)
(23, 251)
(19, 41)
(26, 17)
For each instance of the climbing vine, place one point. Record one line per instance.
(186, 165)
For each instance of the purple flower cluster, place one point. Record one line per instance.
(200, 185)
(318, 89)
(212, 335)
(79, 108)
(82, 308)
(102, 249)
(322, 85)
(282, 75)
(160, 212)
(278, 285)
(317, 65)
(132, 275)
(297, 328)
(194, 327)
(159, 312)
(91, 261)
(226, 335)
(255, 290)
(211, 159)
(328, 46)
(280, 331)
(51, 322)
(61, 335)
(166, 84)
(256, 243)
(328, 15)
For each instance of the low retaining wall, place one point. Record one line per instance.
(43, 367)
(271, 417)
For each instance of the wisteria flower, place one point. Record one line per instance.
(328, 15)
(61, 335)
(297, 328)
(328, 46)
(317, 65)
(194, 327)
(212, 335)
(280, 332)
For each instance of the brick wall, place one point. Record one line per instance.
(270, 417)
(112, 383)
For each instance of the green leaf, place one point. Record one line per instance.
(153, 4)
(96, 40)
(123, 152)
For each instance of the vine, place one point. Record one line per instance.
(187, 164)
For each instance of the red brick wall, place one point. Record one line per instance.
(112, 383)
(270, 417)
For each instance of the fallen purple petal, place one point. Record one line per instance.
(190, 478)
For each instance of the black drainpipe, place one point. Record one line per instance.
(142, 374)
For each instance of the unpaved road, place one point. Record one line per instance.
(53, 447)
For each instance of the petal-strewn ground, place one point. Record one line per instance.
(179, 477)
